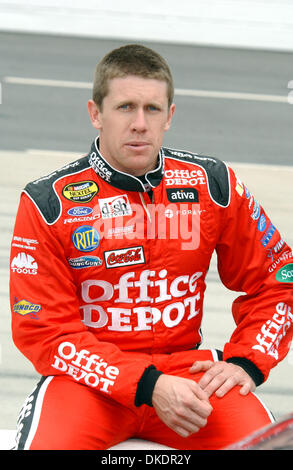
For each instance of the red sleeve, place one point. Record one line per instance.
(254, 259)
(46, 322)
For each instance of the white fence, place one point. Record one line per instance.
(263, 24)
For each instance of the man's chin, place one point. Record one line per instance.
(140, 165)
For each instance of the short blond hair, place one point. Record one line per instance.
(132, 59)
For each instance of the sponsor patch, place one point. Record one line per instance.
(285, 274)
(24, 264)
(86, 238)
(278, 248)
(268, 235)
(24, 307)
(26, 243)
(116, 206)
(256, 211)
(80, 192)
(85, 262)
(182, 195)
(85, 367)
(100, 167)
(239, 187)
(247, 193)
(184, 177)
(262, 223)
(79, 211)
(124, 257)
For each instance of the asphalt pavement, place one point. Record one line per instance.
(44, 127)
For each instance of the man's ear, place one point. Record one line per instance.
(94, 114)
(170, 116)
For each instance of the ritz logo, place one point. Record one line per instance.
(86, 238)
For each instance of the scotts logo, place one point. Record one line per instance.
(115, 206)
(80, 192)
(124, 257)
(24, 307)
(86, 238)
(182, 195)
(285, 274)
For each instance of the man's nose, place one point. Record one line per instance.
(139, 122)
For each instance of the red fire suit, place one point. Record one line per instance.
(107, 286)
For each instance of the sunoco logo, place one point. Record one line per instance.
(182, 195)
(285, 274)
(24, 307)
(80, 192)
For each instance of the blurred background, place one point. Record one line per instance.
(232, 63)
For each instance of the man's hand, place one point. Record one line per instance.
(220, 377)
(181, 404)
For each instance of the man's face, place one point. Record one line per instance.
(134, 117)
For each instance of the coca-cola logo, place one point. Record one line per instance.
(124, 257)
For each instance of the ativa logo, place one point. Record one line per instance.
(182, 195)
(24, 264)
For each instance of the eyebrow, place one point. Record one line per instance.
(133, 103)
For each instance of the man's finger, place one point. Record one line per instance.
(199, 366)
(248, 387)
(211, 373)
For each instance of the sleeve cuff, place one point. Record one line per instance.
(146, 386)
(250, 368)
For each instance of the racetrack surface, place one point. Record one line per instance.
(44, 126)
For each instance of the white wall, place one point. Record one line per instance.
(266, 24)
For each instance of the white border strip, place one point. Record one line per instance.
(265, 407)
(37, 412)
(218, 94)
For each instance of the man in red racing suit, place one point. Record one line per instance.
(107, 286)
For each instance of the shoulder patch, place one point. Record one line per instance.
(215, 169)
(43, 194)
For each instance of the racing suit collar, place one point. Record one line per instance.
(121, 180)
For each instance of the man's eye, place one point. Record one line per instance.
(124, 106)
(153, 108)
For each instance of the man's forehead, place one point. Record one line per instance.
(136, 86)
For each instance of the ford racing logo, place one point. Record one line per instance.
(86, 238)
(79, 211)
